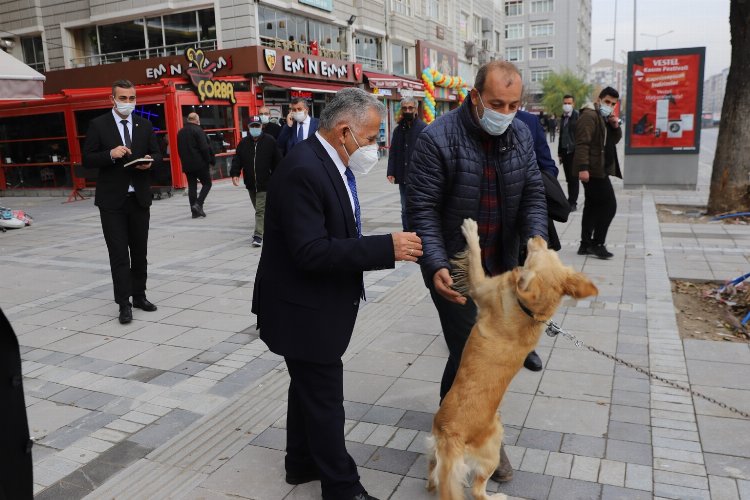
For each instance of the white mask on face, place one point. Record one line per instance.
(605, 110)
(567, 108)
(364, 158)
(125, 108)
(299, 116)
(264, 119)
(494, 122)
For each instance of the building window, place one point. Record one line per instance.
(513, 31)
(477, 32)
(463, 27)
(369, 51)
(33, 52)
(514, 54)
(542, 6)
(539, 75)
(294, 33)
(400, 59)
(143, 38)
(544, 29)
(513, 8)
(498, 41)
(402, 7)
(542, 53)
(433, 10)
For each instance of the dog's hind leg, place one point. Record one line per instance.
(451, 468)
(431, 464)
(487, 457)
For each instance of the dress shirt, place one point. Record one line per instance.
(121, 130)
(339, 165)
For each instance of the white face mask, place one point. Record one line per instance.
(364, 158)
(299, 116)
(494, 122)
(605, 110)
(125, 108)
(567, 108)
(264, 119)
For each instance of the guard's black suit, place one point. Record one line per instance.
(306, 296)
(124, 216)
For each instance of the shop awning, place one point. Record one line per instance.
(18, 81)
(304, 85)
(385, 81)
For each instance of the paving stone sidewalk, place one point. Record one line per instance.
(187, 403)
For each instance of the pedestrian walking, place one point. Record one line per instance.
(567, 146)
(552, 127)
(197, 159)
(298, 127)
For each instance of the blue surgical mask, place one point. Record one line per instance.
(605, 110)
(255, 131)
(493, 122)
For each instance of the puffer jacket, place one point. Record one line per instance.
(595, 144)
(443, 187)
(402, 145)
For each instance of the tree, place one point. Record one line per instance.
(557, 85)
(730, 178)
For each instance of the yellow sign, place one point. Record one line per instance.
(202, 77)
(210, 89)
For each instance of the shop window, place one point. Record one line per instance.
(34, 151)
(33, 52)
(218, 123)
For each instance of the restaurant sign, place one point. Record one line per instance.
(201, 72)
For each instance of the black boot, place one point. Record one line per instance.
(533, 362)
(600, 252)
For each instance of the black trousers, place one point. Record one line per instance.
(203, 175)
(598, 211)
(315, 428)
(126, 233)
(457, 321)
(570, 178)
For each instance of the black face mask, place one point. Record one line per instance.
(408, 117)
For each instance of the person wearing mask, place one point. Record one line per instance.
(476, 162)
(597, 134)
(123, 193)
(298, 127)
(309, 284)
(566, 146)
(256, 158)
(402, 143)
(269, 127)
(196, 158)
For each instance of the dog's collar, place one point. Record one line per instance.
(528, 311)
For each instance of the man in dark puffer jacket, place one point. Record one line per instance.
(475, 162)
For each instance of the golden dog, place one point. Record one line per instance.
(513, 308)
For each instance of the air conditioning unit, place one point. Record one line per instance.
(470, 50)
(486, 25)
(484, 57)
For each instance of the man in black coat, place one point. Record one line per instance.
(257, 157)
(269, 127)
(402, 144)
(566, 148)
(196, 158)
(15, 459)
(309, 283)
(123, 193)
(475, 162)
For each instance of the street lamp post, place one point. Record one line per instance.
(613, 40)
(656, 37)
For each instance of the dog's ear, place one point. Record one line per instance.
(523, 278)
(579, 286)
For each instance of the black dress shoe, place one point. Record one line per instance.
(305, 477)
(363, 496)
(126, 314)
(533, 362)
(600, 252)
(584, 249)
(144, 304)
(198, 209)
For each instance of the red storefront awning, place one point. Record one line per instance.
(304, 85)
(384, 81)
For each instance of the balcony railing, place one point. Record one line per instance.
(39, 66)
(137, 54)
(369, 62)
(294, 46)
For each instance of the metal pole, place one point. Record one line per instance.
(635, 2)
(614, 42)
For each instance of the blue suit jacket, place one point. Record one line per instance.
(541, 148)
(288, 135)
(309, 279)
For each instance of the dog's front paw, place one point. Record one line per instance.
(470, 230)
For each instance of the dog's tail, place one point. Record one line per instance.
(448, 470)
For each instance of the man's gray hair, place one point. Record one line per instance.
(349, 105)
(410, 100)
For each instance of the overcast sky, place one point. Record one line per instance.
(694, 23)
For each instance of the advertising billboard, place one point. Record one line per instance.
(665, 94)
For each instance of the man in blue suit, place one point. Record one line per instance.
(299, 125)
(309, 283)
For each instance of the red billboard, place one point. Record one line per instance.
(665, 93)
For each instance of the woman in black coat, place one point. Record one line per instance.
(15, 446)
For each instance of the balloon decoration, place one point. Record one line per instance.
(432, 78)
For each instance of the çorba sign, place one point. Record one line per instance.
(202, 77)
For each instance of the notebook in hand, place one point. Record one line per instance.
(139, 161)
